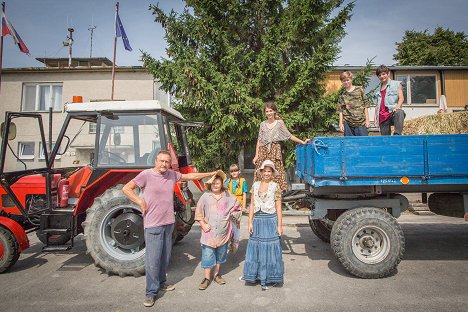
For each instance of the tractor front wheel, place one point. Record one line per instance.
(9, 249)
(114, 234)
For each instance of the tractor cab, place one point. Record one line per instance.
(50, 179)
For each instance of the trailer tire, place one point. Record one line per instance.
(320, 229)
(368, 242)
(9, 249)
(114, 234)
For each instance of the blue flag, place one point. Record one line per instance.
(120, 32)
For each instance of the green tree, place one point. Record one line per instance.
(444, 47)
(226, 57)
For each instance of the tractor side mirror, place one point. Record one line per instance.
(117, 139)
(11, 131)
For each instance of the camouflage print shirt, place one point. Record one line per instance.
(352, 105)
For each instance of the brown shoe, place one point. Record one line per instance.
(219, 279)
(167, 287)
(204, 284)
(149, 301)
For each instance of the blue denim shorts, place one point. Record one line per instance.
(213, 256)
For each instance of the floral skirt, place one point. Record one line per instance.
(275, 155)
(263, 258)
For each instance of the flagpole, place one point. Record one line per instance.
(1, 44)
(115, 48)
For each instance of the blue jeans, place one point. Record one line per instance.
(158, 242)
(213, 256)
(354, 131)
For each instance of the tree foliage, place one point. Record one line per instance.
(444, 47)
(226, 57)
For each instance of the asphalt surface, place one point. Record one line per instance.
(432, 277)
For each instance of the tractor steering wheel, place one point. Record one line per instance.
(112, 158)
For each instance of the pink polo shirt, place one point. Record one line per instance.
(158, 193)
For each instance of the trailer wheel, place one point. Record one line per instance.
(368, 242)
(9, 249)
(114, 234)
(321, 228)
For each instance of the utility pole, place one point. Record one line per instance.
(70, 43)
(91, 29)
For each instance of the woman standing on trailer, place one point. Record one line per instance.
(272, 131)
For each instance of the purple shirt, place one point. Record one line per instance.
(158, 193)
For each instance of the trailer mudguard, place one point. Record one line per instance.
(17, 230)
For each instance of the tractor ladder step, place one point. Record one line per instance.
(54, 248)
(56, 231)
(58, 222)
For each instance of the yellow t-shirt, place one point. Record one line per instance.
(237, 188)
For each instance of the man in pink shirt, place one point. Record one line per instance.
(157, 207)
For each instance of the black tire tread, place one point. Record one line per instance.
(100, 257)
(320, 230)
(343, 226)
(9, 258)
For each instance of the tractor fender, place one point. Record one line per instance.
(17, 230)
(190, 169)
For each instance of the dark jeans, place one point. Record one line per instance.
(158, 242)
(354, 131)
(396, 119)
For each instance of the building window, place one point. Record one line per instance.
(92, 127)
(41, 151)
(41, 96)
(419, 89)
(26, 150)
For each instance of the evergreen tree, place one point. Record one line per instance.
(226, 57)
(444, 47)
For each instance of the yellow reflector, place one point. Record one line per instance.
(404, 180)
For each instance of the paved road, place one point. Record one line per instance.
(433, 277)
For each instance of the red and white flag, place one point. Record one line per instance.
(8, 29)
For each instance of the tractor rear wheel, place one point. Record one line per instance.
(9, 249)
(114, 234)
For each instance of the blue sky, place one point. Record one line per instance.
(372, 32)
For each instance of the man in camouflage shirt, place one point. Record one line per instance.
(353, 108)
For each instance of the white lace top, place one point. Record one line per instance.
(265, 201)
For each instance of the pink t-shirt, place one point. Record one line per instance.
(158, 193)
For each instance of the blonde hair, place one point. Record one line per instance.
(346, 74)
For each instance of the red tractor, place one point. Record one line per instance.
(51, 193)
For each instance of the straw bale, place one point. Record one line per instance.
(444, 123)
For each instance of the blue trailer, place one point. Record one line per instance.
(356, 188)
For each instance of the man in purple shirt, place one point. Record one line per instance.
(157, 207)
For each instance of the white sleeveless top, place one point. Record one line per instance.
(265, 202)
